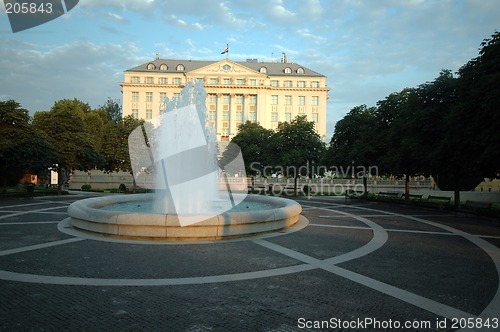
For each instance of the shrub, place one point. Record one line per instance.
(122, 188)
(86, 187)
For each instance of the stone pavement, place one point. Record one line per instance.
(348, 266)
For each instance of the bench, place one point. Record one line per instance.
(477, 206)
(349, 193)
(415, 196)
(442, 199)
(389, 194)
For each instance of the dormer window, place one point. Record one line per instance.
(300, 70)
(163, 67)
(288, 70)
(263, 70)
(151, 66)
(180, 67)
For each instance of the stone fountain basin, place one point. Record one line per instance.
(87, 215)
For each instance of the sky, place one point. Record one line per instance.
(367, 49)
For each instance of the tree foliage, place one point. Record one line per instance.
(252, 139)
(447, 128)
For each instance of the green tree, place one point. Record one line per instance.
(22, 149)
(295, 147)
(112, 111)
(66, 130)
(353, 140)
(480, 90)
(251, 139)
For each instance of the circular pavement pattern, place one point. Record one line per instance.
(349, 265)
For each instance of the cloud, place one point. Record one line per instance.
(36, 76)
(183, 24)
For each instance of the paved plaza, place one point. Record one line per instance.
(348, 265)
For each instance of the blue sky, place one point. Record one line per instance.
(367, 49)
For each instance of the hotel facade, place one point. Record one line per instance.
(263, 92)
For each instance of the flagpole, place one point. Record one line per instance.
(227, 53)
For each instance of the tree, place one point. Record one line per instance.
(22, 149)
(353, 139)
(251, 139)
(480, 90)
(67, 131)
(112, 111)
(295, 147)
(400, 146)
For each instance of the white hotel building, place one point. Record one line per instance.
(264, 92)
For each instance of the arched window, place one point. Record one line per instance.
(163, 67)
(288, 70)
(300, 70)
(180, 67)
(151, 66)
(263, 70)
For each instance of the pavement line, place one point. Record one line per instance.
(492, 309)
(387, 229)
(78, 281)
(38, 246)
(28, 223)
(401, 294)
(27, 212)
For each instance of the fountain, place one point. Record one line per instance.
(196, 197)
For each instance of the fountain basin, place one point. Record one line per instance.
(88, 215)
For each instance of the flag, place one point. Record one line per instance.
(225, 50)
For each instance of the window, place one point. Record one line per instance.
(300, 70)
(288, 100)
(315, 117)
(288, 70)
(227, 81)
(263, 70)
(135, 79)
(149, 113)
(135, 96)
(163, 67)
(180, 67)
(151, 66)
(163, 80)
(240, 81)
(288, 84)
(163, 96)
(177, 81)
(135, 113)
(149, 96)
(150, 80)
(274, 116)
(274, 83)
(252, 82)
(274, 100)
(212, 115)
(225, 115)
(213, 80)
(252, 116)
(177, 95)
(314, 84)
(302, 100)
(239, 115)
(212, 98)
(226, 67)
(226, 99)
(239, 99)
(302, 84)
(252, 99)
(288, 117)
(315, 100)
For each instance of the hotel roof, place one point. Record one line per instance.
(273, 68)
